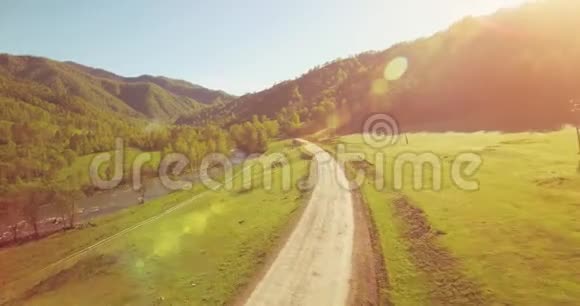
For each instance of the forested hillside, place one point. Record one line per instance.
(514, 70)
(51, 113)
(149, 97)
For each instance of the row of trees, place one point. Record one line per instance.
(254, 136)
(22, 209)
(39, 154)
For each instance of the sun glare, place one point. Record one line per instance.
(396, 68)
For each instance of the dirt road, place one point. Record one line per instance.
(314, 266)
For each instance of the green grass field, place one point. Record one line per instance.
(200, 254)
(515, 241)
(512, 242)
(79, 169)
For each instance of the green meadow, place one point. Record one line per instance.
(202, 249)
(515, 241)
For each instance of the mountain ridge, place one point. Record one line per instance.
(158, 98)
(508, 71)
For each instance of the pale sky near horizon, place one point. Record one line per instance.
(237, 46)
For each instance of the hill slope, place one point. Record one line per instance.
(51, 113)
(514, 70)
(142, 97)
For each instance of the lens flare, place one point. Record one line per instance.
(198, 222)
(166, 244)
(396, 68)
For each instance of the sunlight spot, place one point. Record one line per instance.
(396, 68)
(197, 222)
(166, 244)
(379, 87)
(140, 264)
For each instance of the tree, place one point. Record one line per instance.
(272, 128)
(69, 155)
(295, 96)
(66, 196)
(22, 133)
(5, 134)
(222, 144)
(67, 200)
(10, 208)
(575, 108)
(261, 141)
(34, 198)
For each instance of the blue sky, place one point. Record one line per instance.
(238, 46)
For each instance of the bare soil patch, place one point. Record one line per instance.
(369, 282)
(449, 286)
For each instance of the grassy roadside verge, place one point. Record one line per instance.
(514, 241)
(200, 254)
